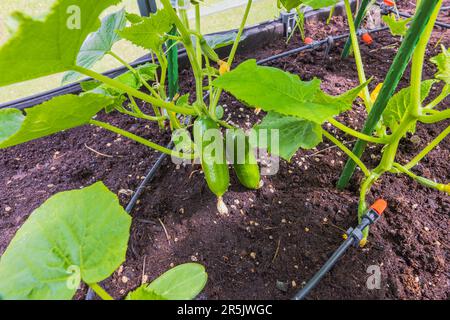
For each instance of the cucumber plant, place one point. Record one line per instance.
(298, 109)
(72, 41)
(82, 235)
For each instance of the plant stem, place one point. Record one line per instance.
(198, 30)
(133, 92)
(347, 151)
(423, 181)
(141, 140)
(135, 72)
(444, 93)
(355, 133)
(417, 64)
(428, 148)
(100, 291)
(357, 55)
(239, 34)
(439, 116)
(234, 48)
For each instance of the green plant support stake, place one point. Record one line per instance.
(172, 70)
(365, 5)
(393, 77)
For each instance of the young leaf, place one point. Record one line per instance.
(272, 89)
(399, 103)
(294, 133)
(43, 47)
(57, 114)
(98, 43)
(442, 61)
(397, 27)
(184, 282)
(150, 33)
(75, 235)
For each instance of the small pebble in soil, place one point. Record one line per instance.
(50, 185)
(426, 229)
(294, 284)
(8, 208)
(125, 279)
(282, 286)
(306, 229)
(283, 220)
(194, 258)
(144, 278)
(253, 255)
(119, 272)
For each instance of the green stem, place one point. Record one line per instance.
(439, 116)
(143, 141)
(240, 32)
(347, 151)
(355, 133)
(135, 72)
(234, 48)
(444, 93)
(357, 55)
(428, 148)
(100, 291)
(133, 92)
(365, 188)
(198, 30)
(417, 64)
(423, 181)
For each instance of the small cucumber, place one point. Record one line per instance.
(215, 168)
(241, 154)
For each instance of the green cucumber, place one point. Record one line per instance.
(241, 155)
(217, 175)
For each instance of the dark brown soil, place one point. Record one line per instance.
(274, 238)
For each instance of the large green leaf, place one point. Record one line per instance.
(184, 282)
(275, 90)
(315, 4)
(57, 114)
(399, 26)
(98, 43)
(399, 104)
(442, 61)
(150, 33)
(11, 120)
(293, 132)
(75, 235)
(43, 47)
